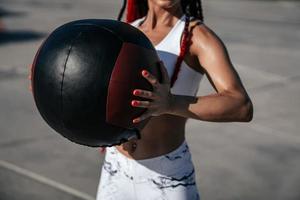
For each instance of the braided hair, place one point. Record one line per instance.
(191, 8)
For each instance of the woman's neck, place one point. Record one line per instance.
(159, 16)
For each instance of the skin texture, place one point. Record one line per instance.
(207, 54)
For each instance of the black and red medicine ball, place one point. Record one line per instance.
(83, 76)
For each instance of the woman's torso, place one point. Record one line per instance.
(164, 133)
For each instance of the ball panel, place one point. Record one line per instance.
(34, 65)
(48, 73)
(85, 84)
(72, 78)
(126, 77)
(97, 139)
(125, 31)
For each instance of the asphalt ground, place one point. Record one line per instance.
(257, 160)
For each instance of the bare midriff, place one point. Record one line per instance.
(161, 135)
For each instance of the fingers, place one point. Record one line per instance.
(148, 94)
(154, 82)
(144, 94)
(141, 104)
(142, 117)
(165, 75)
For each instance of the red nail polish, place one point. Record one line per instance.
(134, 103)
(136, 92)
(145, 73)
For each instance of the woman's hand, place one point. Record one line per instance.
(159, 100)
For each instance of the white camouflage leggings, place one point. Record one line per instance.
(170, 176)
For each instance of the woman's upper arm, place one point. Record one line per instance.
(215, 61)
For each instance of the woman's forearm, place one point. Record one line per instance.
(220, 107)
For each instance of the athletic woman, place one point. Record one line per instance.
(159, 165)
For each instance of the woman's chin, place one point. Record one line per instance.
(165, 3)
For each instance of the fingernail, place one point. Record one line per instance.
(145, 73)
(134, 103)
(136, 92)
(135, 121)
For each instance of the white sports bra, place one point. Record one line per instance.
(168, 50)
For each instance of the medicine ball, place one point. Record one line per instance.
(83, 76)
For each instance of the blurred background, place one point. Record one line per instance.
(257, 160)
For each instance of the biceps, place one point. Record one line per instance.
(215, 60)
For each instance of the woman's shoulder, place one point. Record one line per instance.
(200, 29)
(203, 36)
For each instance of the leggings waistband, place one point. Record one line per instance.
(164, 164)
(172, 155)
